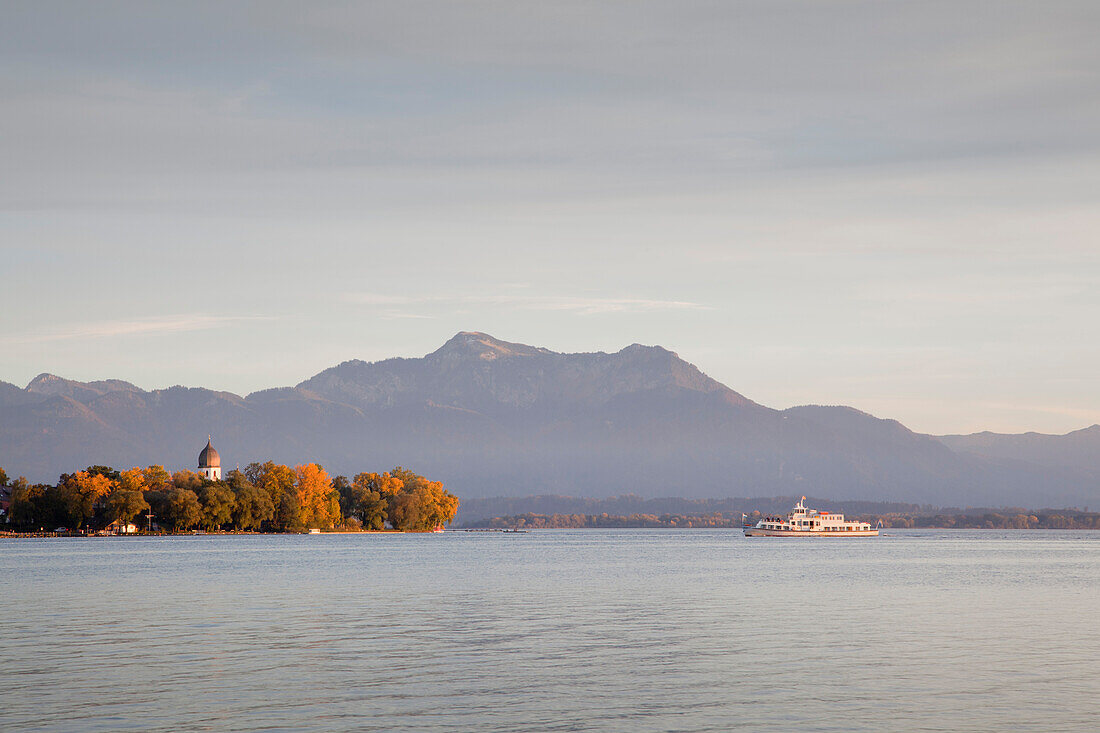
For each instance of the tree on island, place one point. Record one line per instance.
(81, 491)
(33, 505)
(253, 506)
(318, 503)
(131, 480)
(156, 478)
(421, 505)
(218, 503)
(288, 514)
(265, 496)
(367, 498)
(182, 509)
(105, 471)
(278, 482)
(123, 506)
(189, 480)
(408, 501)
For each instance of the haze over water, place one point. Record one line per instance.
(640, 630)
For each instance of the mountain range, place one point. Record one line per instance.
(493, 418)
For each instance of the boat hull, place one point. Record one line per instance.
(757, 532)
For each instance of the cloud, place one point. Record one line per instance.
(186, 102)
(129, 327)
(379, 299)
(571, 304)
(391, 315)
(590, 306)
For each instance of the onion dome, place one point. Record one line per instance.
(209, 457)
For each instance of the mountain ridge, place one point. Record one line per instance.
(493, 417)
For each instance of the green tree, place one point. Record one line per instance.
(28, 504)
(236, 480)
(421, 505)
(105, 471)
(123, 506)
(182, 509)
(279, 483)
(218, 502)
(366, 498)
(253, 507)
(288, 515)
(158, 507)
(3, 477)
(406, 513)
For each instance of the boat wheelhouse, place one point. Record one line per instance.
(803, 522)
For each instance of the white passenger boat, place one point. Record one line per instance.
(803, 522)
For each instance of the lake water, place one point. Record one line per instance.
(556, 630)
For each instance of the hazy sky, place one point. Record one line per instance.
(891, 205)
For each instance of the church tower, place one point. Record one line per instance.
(210, 463)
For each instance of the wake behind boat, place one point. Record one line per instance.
(803, 522)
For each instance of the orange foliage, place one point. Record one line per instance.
(93, 486)
(318, 505)
(132, 480)
(156, 478)
(184, 479)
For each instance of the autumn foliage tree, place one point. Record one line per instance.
(318, 502)
(156, 478)
(131, 480)
(367, 498)
(189, 480)
(278, 481)
(81, 492)
(422, 504)
(405, 499)
(265, 496)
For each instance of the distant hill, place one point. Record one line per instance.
(493, 418)
(1080, 449)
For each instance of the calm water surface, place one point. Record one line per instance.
(617, 630)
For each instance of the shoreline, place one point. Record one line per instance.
(4, 534)
(97, 535)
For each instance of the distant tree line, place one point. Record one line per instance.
(581, 521)
(1042, 519)
(266, 497)
(629, 504)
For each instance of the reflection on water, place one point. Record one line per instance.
(611, 630)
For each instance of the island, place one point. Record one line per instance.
(264, 497)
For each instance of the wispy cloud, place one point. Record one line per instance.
(570, 304)
(379, 299)
(128, 327)
(391, 315)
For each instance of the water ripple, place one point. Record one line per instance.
(552, 631)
